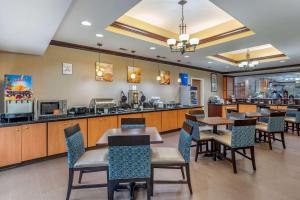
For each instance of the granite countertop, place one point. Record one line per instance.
(89, 115)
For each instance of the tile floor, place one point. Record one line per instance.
(277, 178)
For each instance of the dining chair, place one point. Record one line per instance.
(200, 114)
(131, 123)
(174, 158)
(200, 137)
(241, 137)
(81, 160)
(274, 126)
(293, 118)
(235, 116)
(129, 161)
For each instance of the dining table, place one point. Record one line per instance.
(215, 122)
(155, 138)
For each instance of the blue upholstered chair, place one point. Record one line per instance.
(274, 126)
(241, 137)
(201, 137)
(293, 117)
(132, 123)
(81, 160)
(129, 161)
(174, 158)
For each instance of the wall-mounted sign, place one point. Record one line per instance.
(67, 68)
(17, 87)
(104, 72)
(214, 82)
(184, 77)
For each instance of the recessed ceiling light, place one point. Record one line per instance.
(209, 62)
(86, 23)
(99, 35)
(282, 61)
(186, 56)
(152, 48)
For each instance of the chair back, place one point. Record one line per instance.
(276, 122)
(185, 140)
(129, 157)
(294, 113)
(243, 133)
(192, 121)
(75, 144)
(197, 113)
(131, 123)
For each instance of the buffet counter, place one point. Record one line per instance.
(22, 142)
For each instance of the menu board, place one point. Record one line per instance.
(17, 87)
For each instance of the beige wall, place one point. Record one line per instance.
(79, 88)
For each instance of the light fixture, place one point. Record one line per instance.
(185, 44)
(86, 23)
(152, 48)
(282, 61)
(158, 78)
(99, 35)
(248, 63)
(209, 62)
(133, 75)
(99, 69)
(186, 56)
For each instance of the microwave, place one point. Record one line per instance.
(46, 108)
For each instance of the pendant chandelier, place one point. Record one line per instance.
(248, 63)
(185, 44)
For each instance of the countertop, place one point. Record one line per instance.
(89, 115)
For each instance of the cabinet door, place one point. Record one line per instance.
(153, 119)
(10, 145)
(34, 141)
(97, 126)
(181, 117)
(169, 120)
(56, 135)
(138, 115)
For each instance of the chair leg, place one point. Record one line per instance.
(214, 150)
(273, 136)
(233, 161)
(187, 168)
(253, 158)
(269, 140)
(286, 127)
(282, 139)
(151, 181)
(298, 131)
(293, 127)
(197, 151)
(148, 189)
(80, 177)
(182, 172)
(111, 188)
(244, 151)
(70, 183)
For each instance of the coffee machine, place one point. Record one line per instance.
(133, 98)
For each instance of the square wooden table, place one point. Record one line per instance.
(215, 122)
(155, 137)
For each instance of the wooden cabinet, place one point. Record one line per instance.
(169, 120)
(153, 119)
(137, 115)
(181, 117)
(56, 135)
(34, 141)
(10, 145)
(97, 126)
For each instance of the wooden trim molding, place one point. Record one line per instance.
(257, 58)
(155, 36)
(94, 49)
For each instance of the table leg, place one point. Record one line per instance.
(215, 129)
(132, 187)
